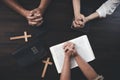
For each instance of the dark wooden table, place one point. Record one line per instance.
(102, 33)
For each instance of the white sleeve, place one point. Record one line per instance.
(107, 8)
(99, 77)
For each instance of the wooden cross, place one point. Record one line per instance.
(46, 65)
(20, 37)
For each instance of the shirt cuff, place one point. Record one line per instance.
(102, 12)
(99, 77)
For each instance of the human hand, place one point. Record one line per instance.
(35, 17)
(69, 49)
(79, 21)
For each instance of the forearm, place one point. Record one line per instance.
(43, 5)
(92, 16)
(76, 7)
(65, 74)
(16, 6)
(87, 70)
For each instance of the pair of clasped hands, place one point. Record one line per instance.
(79, 21)
(69, 49)
(34, 17)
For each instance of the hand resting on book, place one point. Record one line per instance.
(87, 70)
(69, 49)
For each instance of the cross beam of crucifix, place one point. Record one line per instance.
(25, 36)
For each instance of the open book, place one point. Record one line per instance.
(82, 46)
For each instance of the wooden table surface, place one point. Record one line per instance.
(104, 36)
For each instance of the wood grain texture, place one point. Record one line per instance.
(102, 33)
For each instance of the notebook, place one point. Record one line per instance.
(83, 47)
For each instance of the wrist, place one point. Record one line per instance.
(76, 54)
(77, 14)
(76, 57)
(87, 19)
(41, 10)
(25, 13)
(67, 56)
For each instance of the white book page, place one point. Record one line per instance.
(82, 46)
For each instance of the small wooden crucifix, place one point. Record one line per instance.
(46, 65)
(20, 37)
